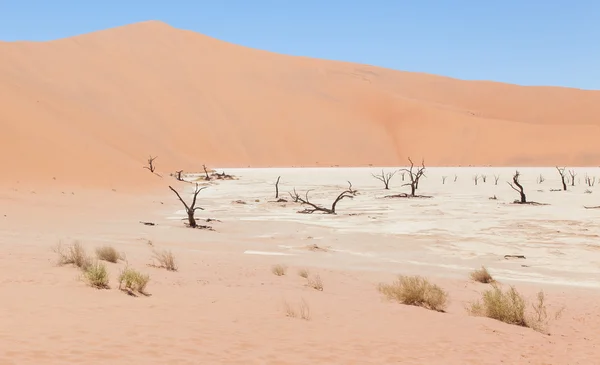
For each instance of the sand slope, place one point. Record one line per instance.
(90, 109)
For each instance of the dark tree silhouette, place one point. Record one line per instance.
(518, 188)
(151, 166)
(190, 209)
(178, 175)
(277, 187)
(414, 176)
(561, 171)
(385, 178)
(496, 178)
(348, 193)
(573, 174)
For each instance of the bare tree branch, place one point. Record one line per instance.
(561, 171)
(348, 193)
(385, 178)
(518, 188)
(190, 209)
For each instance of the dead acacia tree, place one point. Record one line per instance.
(573, 174)
(178, 175)
(206, 175)
(444, 180)
(541, 179)
(496, 178)
(295, 197)
(484, 178)
(151, 166)
(277, 187)
(190, 209)
(385, 178)
(476, 179)
(402, 174)
(561, 171)
(518, 188)
(590, 181)
(414, 176)
(455, 177)
(348, 193)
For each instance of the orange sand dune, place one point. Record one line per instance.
(90, 109)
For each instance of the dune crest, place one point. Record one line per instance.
(90, 109)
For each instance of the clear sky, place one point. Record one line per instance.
(527, 42)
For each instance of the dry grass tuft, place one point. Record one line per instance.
(510, 307)
(303, 310)
(482, 275)
(132, 281)
(166, 260)
(303, 273)
(279, 270)
(73, 255)
(108, 253)
(316, 283)
(96, 275)
(417, 291)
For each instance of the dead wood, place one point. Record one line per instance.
(414, 176)
(348, 193)
(191, 209)
(385, 178)
(561, 171)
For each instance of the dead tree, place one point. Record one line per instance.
(190, 209)
(385, 178)
(541, 179)
(561, 171)
(484, 178)
(402, 174)
(590, 181)
(178, 175)
(476, 179)
(496, 178)
(277, 187)
(518, 188)
(414, 176)
(295, 197)
(455, 177)
(444, 180)
(151, 166)
(573, 174)
(348, 193)
(206, 175)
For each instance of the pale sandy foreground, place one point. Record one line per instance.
(224, 306)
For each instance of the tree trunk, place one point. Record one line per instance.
(523, 198)
(191, 219)
(413, 187)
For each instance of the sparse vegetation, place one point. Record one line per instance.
(132, 281)
(482, 275)
(511, 307)
(415, 177)
(303, 310)
(417, 291)
(151, 166)
(316, 283)
(279, 270)
(561, 171)
(165, 260)
(303, 273)
(73, 254)
(96, 275)
(107, 253)
(385, 178)
(518, 188)
(348, 193)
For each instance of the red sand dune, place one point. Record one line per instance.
(91, 108)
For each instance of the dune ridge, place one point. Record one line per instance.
(89, 110)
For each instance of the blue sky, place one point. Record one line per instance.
(527, 42)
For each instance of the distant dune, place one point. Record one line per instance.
(91, 108)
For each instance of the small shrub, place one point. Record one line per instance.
(166, 260)
(96, 275)
(303, 310)
(510, 307)
(107, 253)
(303, 273)
(316, 283)
(133, 281)
(279, 270)
(73, 255)
(482, 275)
(417, 291)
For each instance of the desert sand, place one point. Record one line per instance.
(224, 305)
(80, 116)
(88, 110)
